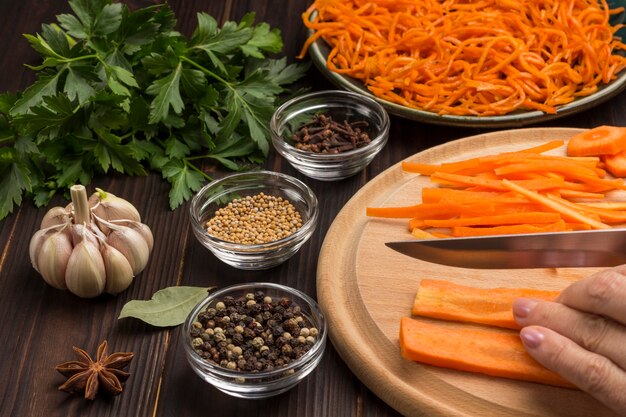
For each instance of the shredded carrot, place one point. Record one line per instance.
(458, 58)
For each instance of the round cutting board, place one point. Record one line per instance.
(365, 288)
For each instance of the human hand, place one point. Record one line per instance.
(582, 335)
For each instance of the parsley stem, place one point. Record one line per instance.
(80, 58)
(207, 71)
(198, 170)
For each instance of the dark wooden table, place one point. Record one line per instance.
(39, 324)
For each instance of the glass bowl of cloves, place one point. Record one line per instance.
(330, 135)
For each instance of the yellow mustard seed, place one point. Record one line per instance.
(254, 220)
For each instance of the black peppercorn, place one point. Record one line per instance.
(251, 333)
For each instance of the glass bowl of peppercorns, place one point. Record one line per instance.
(330, 135)
(255, 340)
(254, 220)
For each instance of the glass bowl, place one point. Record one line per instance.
(219, 193)
(341, 106)
(254, 384)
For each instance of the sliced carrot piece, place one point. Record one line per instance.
(575, 194)
(487, 351)
(447, 300)
(422, 234)
(616, 164)
(496, 220)
(601, 140)
(561, 167)
(416, 224)
(555, 205)
(605, 215)
(433, 195)
(434, 210)
(544, 147)
(464, 231)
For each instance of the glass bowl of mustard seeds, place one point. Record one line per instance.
(255, 340)
(330, 135)
(254, 220)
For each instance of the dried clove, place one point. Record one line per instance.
(325, 135)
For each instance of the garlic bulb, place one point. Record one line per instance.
(89, 247)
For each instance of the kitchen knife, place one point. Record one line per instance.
(589, 248)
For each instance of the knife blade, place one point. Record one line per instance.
(589, 248)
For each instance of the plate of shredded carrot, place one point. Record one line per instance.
(492, 63)
(435, 340)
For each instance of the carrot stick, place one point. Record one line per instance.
(487, 351)
(463, 231)
(544, 147)
(446, 300)
(434, 195)
(606, 215)
(496, 220)
(558, 207)
(434, 210)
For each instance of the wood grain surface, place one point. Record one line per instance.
(365, 288)
(40, 324)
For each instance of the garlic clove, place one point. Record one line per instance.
(85, 275)
(111, 207)
(132, 245)
(54, 216)
(34, 247)
(119, 274)
(52, 258)
(139, 227)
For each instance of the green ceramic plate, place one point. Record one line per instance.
(319, 51)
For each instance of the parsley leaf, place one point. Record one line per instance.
(120, 90)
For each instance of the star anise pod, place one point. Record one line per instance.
(86, 375)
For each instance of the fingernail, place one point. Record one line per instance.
(531, 337)
(523, 306)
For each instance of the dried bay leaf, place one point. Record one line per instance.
(168, 307)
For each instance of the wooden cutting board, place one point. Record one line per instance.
(364, 288)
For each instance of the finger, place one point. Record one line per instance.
(591, 372)
(602, 293)
(592, 332)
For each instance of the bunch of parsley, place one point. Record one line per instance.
(121, 90)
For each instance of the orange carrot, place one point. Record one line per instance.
(605, 215)
(440, 195)
(575, 194)
(460, 59)
(616, 164)
(490, 306)
(555, 205)
(421, 234)
(601, 140)
(464, 231)
(496, 220)
(514, 192)
(488, 351)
